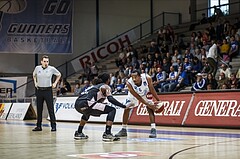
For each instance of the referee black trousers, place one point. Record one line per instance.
(45, 95)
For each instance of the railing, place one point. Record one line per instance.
(142, 30)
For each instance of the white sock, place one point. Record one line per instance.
(153, 125)
(124, 126)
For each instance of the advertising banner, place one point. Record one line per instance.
(215, 109)
(174, 112)
(65, 110)
(18, 111)
(9, 85)
(103, 51)
(4, 109)
(36, 26)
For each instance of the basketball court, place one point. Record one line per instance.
(18, 141)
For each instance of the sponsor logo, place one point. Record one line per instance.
(173, 108)
(64, 106)
(218, 108)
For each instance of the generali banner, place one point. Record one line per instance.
(175, 109)
(206, 109)
(211, 109)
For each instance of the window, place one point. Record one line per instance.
(225, 8)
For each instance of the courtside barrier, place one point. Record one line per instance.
(215, 109)
(176, 106)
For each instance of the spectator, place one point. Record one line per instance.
(160, 80)
(77, 89)
(204, 19)
(85, 86)
(234, 48)
(222, 80)
(196, 68)
(171, 80)
(211, 80)
(94, 71)
(227, 72)
(217, 13)
(113, 80)
(182, 80)
(224, 51)
(233, 82)
(187, 67)
(200, 83)
(166, 65)
(66, 87)
(212, 58)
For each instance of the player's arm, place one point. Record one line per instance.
(151, 88)
(135, 94)
(106, 91)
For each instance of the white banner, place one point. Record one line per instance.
(10, 84)
(4, 109)
(18, 111)
(65, 110)
(104, 51)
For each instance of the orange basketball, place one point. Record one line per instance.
(159, 107)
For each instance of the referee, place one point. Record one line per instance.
(42, 76)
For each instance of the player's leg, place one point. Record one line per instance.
(153, 133)
(79, 133)
(126, 114)
(81, 106)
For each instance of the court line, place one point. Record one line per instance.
(193, 147)
(167, 132)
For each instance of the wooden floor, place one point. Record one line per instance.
(18, 141)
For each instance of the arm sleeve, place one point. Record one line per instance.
(112, 100)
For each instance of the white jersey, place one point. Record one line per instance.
(142, 90)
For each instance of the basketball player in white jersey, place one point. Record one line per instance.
(139, 85)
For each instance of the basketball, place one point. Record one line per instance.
(159, 106)
(12, 6)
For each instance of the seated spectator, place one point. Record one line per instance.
(160, 79)
(173, 75)
(211, 80)
(196, 68)
(85, 86)
(182, 80)
(77, 89)
(66, 87)
(187, 67)
(227, 71)
(234, 48)
(200, 83)
(222, 80)
(224, 51)
(233, 82)
(113, 80)
(119, 86)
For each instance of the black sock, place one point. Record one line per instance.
(108, 129)
(80, 128)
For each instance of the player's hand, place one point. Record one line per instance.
(151, 106)
(130, 105)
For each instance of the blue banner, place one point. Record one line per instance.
(36, 26)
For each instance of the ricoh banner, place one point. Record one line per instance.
(104, 50)
(36, 26)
